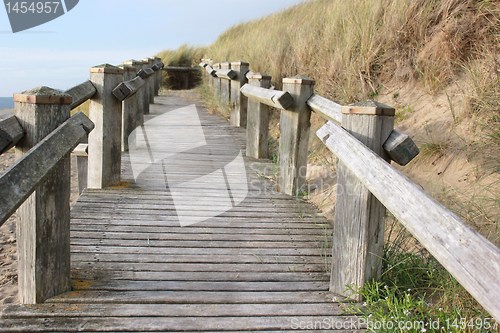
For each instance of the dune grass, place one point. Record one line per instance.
(354, 50)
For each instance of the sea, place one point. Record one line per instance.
(6, 103)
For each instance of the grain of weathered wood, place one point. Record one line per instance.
(275, 98)
(39, 184)
(172, 310)
(295, 123)
(400, 147)
(358, 238)
(225, 88)
(451, 241)
(151, 79)
(258, 120)
(226, 73)
(36, 165)
(10, 133)
(238, 116)
(105, 140)
(128, 88)
(132, 115)
(186, 324)
(81, 93)
(82, 161)
(142, 100)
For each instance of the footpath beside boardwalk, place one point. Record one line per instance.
(262, 265)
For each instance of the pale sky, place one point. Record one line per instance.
(59, 53)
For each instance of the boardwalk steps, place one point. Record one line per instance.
(261, 266)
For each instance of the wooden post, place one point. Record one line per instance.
(82, 163)
(132, 115)
(105, 140)
(225, 90)
(295, 124)
(157, 76)
(150, 81)
(358, 237)
(43, 219)
(145, 89)
(216, 84)
(142, 101)
(238, 100)
(258, 120)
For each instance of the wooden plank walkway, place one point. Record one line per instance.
(260, 266)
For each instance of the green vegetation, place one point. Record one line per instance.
(417, 292)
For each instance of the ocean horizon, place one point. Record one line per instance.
(6, 103)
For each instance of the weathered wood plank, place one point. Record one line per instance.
(35, 166)
(10, 133)
(183, 297)
(295, 124)
(451, 241)
(226, 73)
(184, 324)
(238, 116)
(258, 120)
(400, 147)
(171, 310)
(81, 93)
(127, 89)
(276, 276)
(358, 238)
(105, 111)
(275, 98)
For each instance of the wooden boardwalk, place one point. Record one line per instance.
(260, 266)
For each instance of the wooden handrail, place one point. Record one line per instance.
(399, 146)
(451, 241)
(37, 163)
(10, 133)
(275, 98)
(127, 89)
(227, 74)
(81, 93)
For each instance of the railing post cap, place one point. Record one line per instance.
(43, 95)
(239, 63)
(299, 79)
(148, 60)
(369, 107)
(127, 68)
(133, 62)
(106, 69)
(257, 76)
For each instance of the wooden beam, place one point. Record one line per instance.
(358, 238)
(275, 98)
(145, 73)
(227, 74)
(326, 108)
(105, 141)
(36, 164)
(127, 89)
(81, 93)
(238, 101)
(258, 120)
(400, 147)
(295, 125)
(449, 239)
(10, 133)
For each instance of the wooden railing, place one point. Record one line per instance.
(44, 135)
(363, 138)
